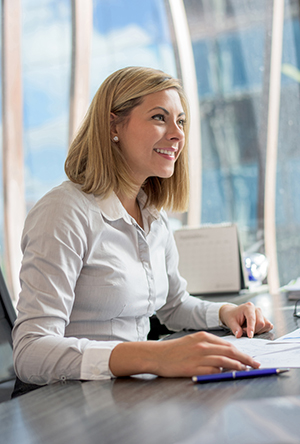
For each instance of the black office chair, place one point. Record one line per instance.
(7, 318)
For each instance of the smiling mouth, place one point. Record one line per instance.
(167, 152)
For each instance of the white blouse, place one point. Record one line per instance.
(90, 279)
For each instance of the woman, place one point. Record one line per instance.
(99, 255)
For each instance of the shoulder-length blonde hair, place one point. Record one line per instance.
(96, 162)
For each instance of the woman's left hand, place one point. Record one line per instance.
(245, 318)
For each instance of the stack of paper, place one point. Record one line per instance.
(292, 289)
(284, 352)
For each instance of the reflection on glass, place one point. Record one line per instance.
(232, 42)
(1, 168)
(46, 53)
(127, 34)
(124, 33)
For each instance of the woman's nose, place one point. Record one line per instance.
(175, 132)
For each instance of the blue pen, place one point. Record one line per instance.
(215, 377)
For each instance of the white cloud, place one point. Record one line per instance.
(47, 56)
(52, 133)
(46, 37)
(44, 11)
(129, 46)
(36, 188)
(120, 39)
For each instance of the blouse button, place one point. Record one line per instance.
(96, 371)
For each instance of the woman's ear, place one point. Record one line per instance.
(113, 127)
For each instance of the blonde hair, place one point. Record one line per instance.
(96, 162)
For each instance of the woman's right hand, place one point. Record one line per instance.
(201, 353)
(195, 354)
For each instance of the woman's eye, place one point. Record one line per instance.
(181, 122)
(159, 117)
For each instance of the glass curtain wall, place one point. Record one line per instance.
(46, 69)
(2, 264)
(288, 164)
(123, 34)
(232, 42)
(130, 33)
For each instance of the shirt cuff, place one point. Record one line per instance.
(213, 320)
(95, 361)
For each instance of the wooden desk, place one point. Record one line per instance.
(160, 410)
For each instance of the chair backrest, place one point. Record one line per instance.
(7, 318)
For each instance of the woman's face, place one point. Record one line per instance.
(152, 137)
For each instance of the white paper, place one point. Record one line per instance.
(293, 337)
(287, 358)
(249, 346)
(292, 285)
(270, 353)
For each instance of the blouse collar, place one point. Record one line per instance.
(112, 208)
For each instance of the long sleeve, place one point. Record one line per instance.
(54, 246)
(90, 279)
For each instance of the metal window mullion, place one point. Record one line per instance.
(82, 25)
(13, 159)
(272, 145)
(189, 80)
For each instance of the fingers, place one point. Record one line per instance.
(262, 324)
(245, 318)
(237, 329)
(198, 353)
(219, 362)
(207, 370)
(229, 357)
(256, 322)
(219, 353)
(250, 316)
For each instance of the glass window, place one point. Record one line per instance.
(1, 169)
(46, 64)
(124, 33)
(288, 162)
(232, 47)
(127, 34)
(231, 41)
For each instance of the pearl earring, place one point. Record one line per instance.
(116, 139)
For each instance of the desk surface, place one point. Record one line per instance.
(161, 410)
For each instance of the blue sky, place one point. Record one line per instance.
(130, 32)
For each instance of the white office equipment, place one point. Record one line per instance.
(210, 259)
(292, 289)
